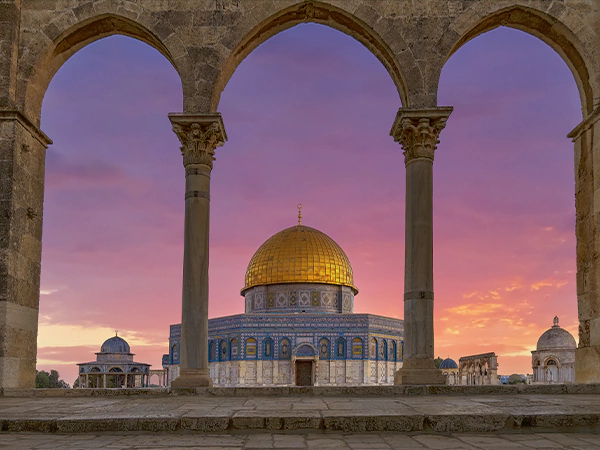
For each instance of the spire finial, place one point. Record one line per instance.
(116, 332)
(556, 321)
(299, 213)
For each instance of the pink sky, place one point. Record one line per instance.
(308, 116)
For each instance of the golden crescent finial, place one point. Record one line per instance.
(299, 213)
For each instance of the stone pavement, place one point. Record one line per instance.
(311, 440)
(445, 413)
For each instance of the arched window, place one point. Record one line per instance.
(383, 351)
(373, 349)
(223, 353)
(285, 351)
(175, 354)
(357, 348)
(268, 349)
(340, 348)
(401, 350)
(393, 351)
(324, 348)
(212, 351)
(551, 362)
(251, 348)
(233, 349)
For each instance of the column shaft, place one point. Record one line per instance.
(194, 317)
(418, 265)
(417, 130)
(199, 135)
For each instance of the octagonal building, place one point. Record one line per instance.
(299, 327)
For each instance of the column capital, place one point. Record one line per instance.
(417, 130)
(199, 135)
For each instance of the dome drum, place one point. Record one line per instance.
(300, 297)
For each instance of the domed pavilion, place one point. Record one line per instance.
(553, 361)
(299, 326)
(449, 369)
(114, 367)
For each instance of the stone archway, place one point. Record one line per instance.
(412, 42)
(43, 52)
(575, 42)
(364, 29)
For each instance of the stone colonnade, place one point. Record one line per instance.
(205, 42)
(417, 130)
(100, 380)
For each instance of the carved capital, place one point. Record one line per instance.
(418, 130)
(199, 135)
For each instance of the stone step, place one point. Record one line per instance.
(507, 413)
(278, 391)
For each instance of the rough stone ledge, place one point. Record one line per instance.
(277, 391)
(353, 422)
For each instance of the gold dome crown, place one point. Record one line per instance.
(299, 254)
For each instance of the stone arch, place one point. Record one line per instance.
(551, 361)
(305, 350)
(254, 32)
(72, 39)
(540, 24)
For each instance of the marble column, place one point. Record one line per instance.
(199, 135)
(417, 130)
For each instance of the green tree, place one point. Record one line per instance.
(515, 378)
(44, 379)
(437, 362)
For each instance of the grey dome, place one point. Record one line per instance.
(448, 363)
(556, 338)
(115, 345)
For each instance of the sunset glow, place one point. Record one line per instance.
(308, 116)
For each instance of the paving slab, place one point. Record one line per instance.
(308, 440)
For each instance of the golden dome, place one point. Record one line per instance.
(299, 254)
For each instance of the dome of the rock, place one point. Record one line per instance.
(299, 254)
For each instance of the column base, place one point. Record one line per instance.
(419, 371)
(191, 378)
(587, 365)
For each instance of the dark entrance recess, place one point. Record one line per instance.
(304, 373)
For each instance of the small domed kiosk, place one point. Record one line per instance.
(114, 367)
(299, 326)
(449, 369)
(553, 361)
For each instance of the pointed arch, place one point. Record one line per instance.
(537, 23)
(66, 43)
(324, 14)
